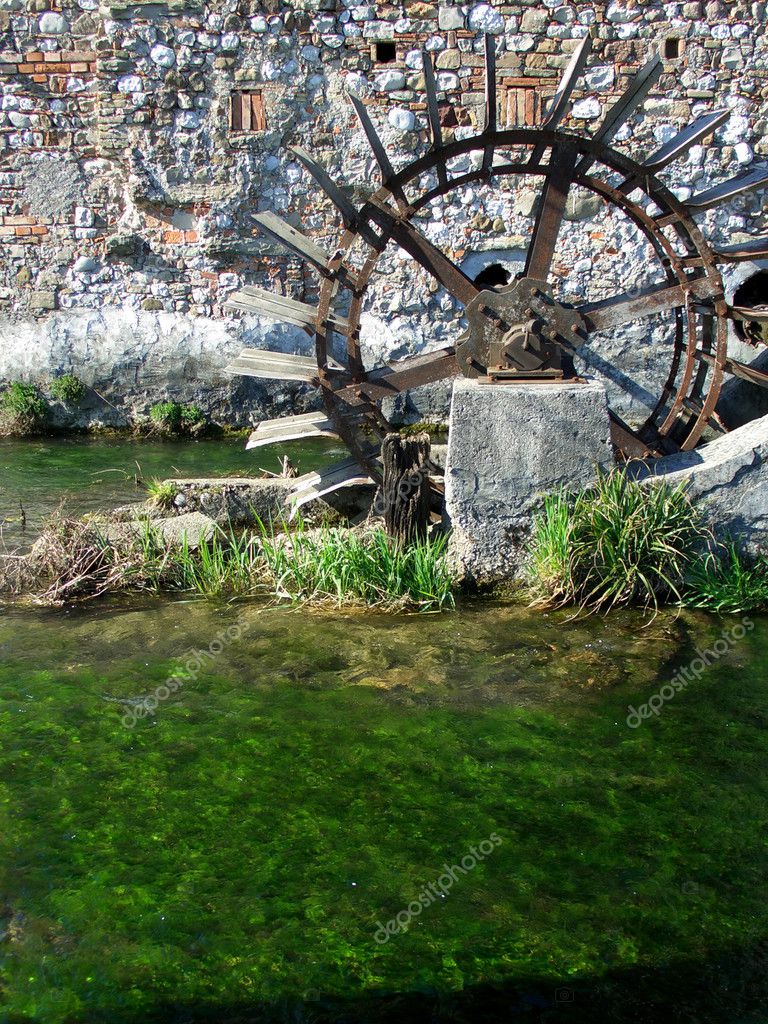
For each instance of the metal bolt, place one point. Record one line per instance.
(528, 312)
(574, 328)
(534, 291)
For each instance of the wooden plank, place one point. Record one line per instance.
(280, 307)
(235, 112)
(258, 120)
(293, 239)
(755, 248)
(728, 190)
(600, 316)
(315, 485)
(255, 362)
(291, 428)
(245, 111)
(736, 369)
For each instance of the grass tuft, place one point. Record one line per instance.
(342, 567)
(161, 492)
(23, 406)
(614, 543)
(67, 388)
(725, 580)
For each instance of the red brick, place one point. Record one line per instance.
(173, 237)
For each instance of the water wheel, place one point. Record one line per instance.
(519, 331)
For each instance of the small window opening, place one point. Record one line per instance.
(246, 111)
(493, 276)
(673, 48)
(753, 294)
(385, 53)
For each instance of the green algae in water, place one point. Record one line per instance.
(232, 856)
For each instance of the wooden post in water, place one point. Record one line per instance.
(405, 488)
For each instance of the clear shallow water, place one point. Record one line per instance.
(101, 473)
(232, 856)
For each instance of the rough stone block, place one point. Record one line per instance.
(508, 445)
(727, 479)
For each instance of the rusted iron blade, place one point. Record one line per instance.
(558, 106)
(327, 184)
(403, 374)
(291, 428)
(377, 148)
(689, 136)
(737, 369)
(626, 440)
(433, 111)
(275, 227)
(729, 189)
(314, 485)
(551, 212)
(490, 84)
(610, 313)
(280, 307)
(755, 248)
(255, 362)
(624, 107)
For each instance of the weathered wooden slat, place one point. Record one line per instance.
(755, 248)
(737, 369)
(291, 428)
(315, 485)
(625, 106)
(600, 316)
(728, 190)
(280, 307)
(327, 184)
(433, 112)
(290, 237)
(255, 362)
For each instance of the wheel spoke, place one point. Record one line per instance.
(621, 310)
(443, 269)
(551, 213)
(412, 372)
(742, 370)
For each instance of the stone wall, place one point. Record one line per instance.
(126, 181)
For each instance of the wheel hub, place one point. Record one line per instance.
(517, 332)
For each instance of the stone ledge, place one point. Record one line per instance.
(727, 479)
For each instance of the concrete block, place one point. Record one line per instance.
(727, 479)
(508, 446)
